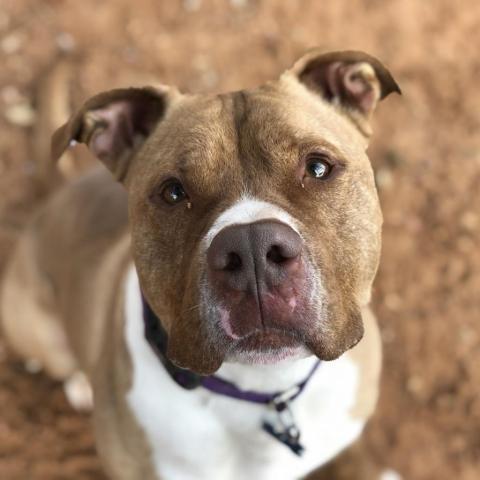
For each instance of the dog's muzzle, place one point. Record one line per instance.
(258, 276)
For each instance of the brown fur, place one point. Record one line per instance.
(352, 464)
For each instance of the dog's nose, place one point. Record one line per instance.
(254, 257)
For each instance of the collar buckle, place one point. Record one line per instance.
(281, 424)
(281, 401)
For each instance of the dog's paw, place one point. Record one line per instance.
(79, 392)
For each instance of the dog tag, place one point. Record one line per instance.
(280, 424)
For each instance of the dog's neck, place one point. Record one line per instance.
(267, 378)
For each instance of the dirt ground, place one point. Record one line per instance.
(426, 154)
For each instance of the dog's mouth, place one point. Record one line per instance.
(267, 346)
(270, 326)
(269, 339)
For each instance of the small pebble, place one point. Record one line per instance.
(21, 114)
(390, 474)
(11, 43)
(239, 3)
(384, 178)
(415, 385)
(192, 5)
(65, 42)
(470, 221)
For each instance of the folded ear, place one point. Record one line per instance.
(352, 81)
(114, 125)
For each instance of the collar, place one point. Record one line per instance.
(158, 339)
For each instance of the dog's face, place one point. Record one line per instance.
(254, 216)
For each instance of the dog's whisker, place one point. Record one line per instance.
(190, 309)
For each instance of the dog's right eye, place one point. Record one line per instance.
(172, 192)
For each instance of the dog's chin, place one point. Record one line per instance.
(266, 348)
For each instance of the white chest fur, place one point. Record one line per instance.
(197, 435)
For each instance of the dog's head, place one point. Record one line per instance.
(254, 217)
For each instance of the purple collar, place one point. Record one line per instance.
(224, 387)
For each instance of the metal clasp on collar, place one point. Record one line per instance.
(281, 425)
(285, 397)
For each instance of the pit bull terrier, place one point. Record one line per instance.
(216, 296)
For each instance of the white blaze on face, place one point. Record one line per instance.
(249, 210)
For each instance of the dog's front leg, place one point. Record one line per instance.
(354, 463)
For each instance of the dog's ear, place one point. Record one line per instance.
(114, 125)
(352, 81)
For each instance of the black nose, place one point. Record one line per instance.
(253, 256)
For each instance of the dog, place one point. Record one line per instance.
(213, 299)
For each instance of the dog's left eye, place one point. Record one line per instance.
(173, 192)
(318, 167)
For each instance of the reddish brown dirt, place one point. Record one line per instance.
(426, 154)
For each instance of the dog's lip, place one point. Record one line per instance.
(268, 339)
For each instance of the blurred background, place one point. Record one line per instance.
(425, 152)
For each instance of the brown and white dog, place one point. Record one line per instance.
(250, 223)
